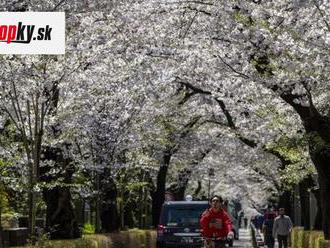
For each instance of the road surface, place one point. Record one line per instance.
(244, 239)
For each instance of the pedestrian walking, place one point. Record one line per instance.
(282, 228)
(259, 221)
(240, 218)
(267, 229)
(245, 222)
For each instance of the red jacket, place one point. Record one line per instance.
(215, 224)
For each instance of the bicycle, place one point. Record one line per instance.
(214, 242)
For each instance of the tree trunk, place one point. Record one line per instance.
(324, 182)
(60, 216)
(109, 217)
(317, 225)
(109, 214)
(32, 212)
(317, 128)
(178, 188)
(199, 188)
(318, 131)
(304, 202)
(98, 206)
(320, 154)
(158, 197)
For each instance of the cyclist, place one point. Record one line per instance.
(216, 224)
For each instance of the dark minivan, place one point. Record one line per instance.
(179, 224)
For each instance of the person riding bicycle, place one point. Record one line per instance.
(216, 224)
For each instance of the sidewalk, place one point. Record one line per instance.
(262, 236)
(244, 239)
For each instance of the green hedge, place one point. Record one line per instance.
(324, 243)
(9, 220)
(296, 236)
(134, 238)
(308, 239)
(75, 243)
(315, 238)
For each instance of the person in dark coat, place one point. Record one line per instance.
(267, 229)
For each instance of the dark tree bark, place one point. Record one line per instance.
(318, 131)
(60, 217)
(129, 213)
(285, 201)
(321, 159)
(178, 188)
(304, 185)
(198, 189)
(158, 195)
(317, 225)
(109, 217)
(80, 211)
(109, 212)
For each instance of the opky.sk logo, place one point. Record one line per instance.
(21, 33)
(32, 32)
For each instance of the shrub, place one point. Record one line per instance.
(88, 229)
(305, 240)
(308, 239)
(102, 241)
(313, 238)
(296, 237)
(325, 244)
(127, 239)
(3, 198)
(134, 238)
(74, 243)
(9, 220)
(151, 239)
(300, 238)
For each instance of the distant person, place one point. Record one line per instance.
(282, 228)
(240, 218)
(245, 222)
(254, 220)
(259, 221)
(216, 224)
(267, 229)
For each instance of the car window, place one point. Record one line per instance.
(184, 216)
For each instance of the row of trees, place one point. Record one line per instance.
(171, 88)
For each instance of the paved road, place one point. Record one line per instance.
(244, 239)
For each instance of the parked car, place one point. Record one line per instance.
(179, 224)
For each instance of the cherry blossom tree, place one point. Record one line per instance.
(250, 52)
(139, 75)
